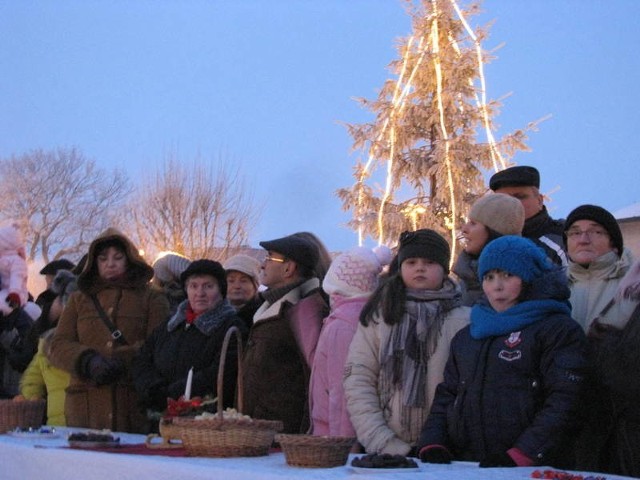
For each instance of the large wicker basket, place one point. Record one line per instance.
(27, 413)
(224, 437)
(315, 451)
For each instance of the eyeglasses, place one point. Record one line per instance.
(592, 233)
(274, 259)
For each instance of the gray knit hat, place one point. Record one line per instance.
(168, 268)
(501, 213)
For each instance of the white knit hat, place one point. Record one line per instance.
(355, 272)
(244, 264)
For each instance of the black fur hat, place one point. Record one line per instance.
(207, 267)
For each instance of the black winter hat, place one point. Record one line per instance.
(600, 216)
(424, 243)
(520, 176)
(52, 267)
(298, 249)
(207, 267)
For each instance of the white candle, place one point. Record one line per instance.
(187, 390)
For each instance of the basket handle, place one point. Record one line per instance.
(223, 356)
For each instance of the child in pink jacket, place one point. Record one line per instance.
(349, 281)
(13, 268)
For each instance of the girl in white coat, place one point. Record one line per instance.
(398, 353)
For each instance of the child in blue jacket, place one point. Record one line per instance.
(513, 379)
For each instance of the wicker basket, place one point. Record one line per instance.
(27, 413)
(313, 451)
(224, 437)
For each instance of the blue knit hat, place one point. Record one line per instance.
(516, 255)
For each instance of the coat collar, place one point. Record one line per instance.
(207, 322)
(267, 310)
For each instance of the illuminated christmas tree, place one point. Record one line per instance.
(432, 138)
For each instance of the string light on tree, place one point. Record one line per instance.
(425, 140)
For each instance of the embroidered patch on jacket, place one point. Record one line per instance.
(510, 356)
(513, 340)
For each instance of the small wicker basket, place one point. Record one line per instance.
(225, 437)
(27, 413)
(315, 451)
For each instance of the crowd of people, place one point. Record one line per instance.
(526, 353)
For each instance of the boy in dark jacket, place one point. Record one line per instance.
(513, 379)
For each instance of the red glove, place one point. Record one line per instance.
(13, 299)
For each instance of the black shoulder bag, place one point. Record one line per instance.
(116, 334)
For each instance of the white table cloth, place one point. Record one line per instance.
(39, 458)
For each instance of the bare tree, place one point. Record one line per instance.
(199, 210)
(62, 197)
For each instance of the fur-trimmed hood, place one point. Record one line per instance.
(629, 287)
(139, 273)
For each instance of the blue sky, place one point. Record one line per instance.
(267, 83)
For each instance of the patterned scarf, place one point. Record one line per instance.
(412, 342)
(207, 322)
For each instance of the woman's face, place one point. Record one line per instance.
(112, 263)
(240, 288)
(422, 273)
(203, 292)
(475, 235)
(502, 289)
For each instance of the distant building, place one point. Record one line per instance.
(629, 221)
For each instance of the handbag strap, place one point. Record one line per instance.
(115, 333)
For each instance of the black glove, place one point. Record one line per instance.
(435, 454)
(497, 460)
(100, 370)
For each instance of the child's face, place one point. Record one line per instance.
(422, 273)
(502, 289)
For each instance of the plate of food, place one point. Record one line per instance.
(93, 440)
(384, 463)
(34, 432)
(369, 471)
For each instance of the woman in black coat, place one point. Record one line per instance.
(191, 338)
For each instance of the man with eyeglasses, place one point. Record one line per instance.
(523, 183)
(282, 340)
(598, 261)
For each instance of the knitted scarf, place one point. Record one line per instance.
(486, 322)
(412, 341)
(207, 322)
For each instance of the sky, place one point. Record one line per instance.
(269, 84)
